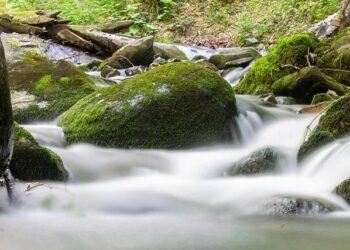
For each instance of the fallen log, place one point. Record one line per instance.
(108, 42)
(74, 39)
(13, 26)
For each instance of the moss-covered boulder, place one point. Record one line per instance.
(266, 70)
(334, 124)
(343, 190)
(176, 105)
(262, 161)
(32, 162)
(46, 89)
(335, 57)
(322, 97)
(316, 140)
(306, 83)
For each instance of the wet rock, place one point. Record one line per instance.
(305, 84)
(285, 100)
(93, 65)
(260, 162)
(114, 27)
(199, 57)
(106, 70)
(284, 206)
(343, 190)
(316, 140)
(207, 64)
(113, 73)
(334, 124)
(243, 62)
(137, 53)
(270, 99)
(140, 113)
(135, 70)
(32, 162)
(244, 55)
(168, 51)
(266, 70)
(54, 86)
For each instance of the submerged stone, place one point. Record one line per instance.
(176, 105)
(55, 86)
(262, 161)
(32, 162)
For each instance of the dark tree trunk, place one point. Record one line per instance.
(6, 122)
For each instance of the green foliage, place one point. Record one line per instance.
(140, 113)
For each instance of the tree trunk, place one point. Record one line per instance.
(6, 122)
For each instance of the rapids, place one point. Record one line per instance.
(158, 199)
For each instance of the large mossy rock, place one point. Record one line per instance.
(334, 124)
(306, 83)
(32, 162)
(260, 162)
(176, 105)
(42, 89)
(266, 70)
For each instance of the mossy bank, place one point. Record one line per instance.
(176, 105)
(45, 88)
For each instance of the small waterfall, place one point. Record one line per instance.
(235, 75)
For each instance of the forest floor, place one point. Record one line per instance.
(215, 23)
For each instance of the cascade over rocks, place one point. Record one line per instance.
(177, 105)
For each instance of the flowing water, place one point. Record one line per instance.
(158, 199)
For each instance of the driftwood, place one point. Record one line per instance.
(13, 26)
(95, 38)
(6, 125)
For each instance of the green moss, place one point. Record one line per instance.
(306, 83)
(64, 81)
(176, 105)
(58, 84)
(322, 97)
(337, 119)
(316, 139)
(336, 64)
(290, 50)
(31, 162)
(43, 83)
(343, 190)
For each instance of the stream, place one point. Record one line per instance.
(160, 199)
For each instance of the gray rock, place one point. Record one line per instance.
(262, 161)
(220, 60)
(285, 100)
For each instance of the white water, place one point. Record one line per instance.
(153, 199)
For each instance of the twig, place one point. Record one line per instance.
(289, 66)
